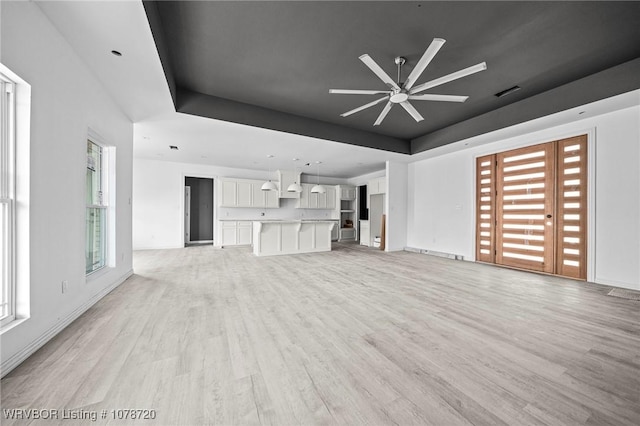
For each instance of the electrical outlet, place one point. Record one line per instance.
(65, 285)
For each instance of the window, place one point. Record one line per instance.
(7, 199)
(96, 215)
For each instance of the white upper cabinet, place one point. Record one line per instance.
(229, 193)
(247, 193)
(271, 199)
(331, 197)
(347, 192)
(286, 178)
(377, 186)
(310, 200)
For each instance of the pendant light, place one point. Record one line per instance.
(318, 189)
(268, 185)
(295, 186)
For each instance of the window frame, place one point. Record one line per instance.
(8, 198)
(102, 204)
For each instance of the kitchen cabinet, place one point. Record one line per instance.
(335, 232)
(247, 193)
(244, 233)
(271, 199)
(376, 187)
(310, 200)
(331, 197)
(228, 192)
(347, 192)
(291, 236)
(236, 233)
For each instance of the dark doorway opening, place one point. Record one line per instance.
(198, 210)
(362, 197)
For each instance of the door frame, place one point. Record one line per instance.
(215, 202)
(187, 214)
(537, 138)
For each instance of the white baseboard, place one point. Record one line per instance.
(435, 253)
(41, 340)
(615, 283)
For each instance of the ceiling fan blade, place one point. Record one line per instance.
(427, 56)
(444, 98)
(383, 114)
(369, 105)
(412, 111)
(373, 66)
(450, 77)
(358, 92)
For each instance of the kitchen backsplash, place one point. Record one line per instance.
(286, 211)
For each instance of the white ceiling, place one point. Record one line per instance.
(137, 84)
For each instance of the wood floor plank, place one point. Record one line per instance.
(352, 336)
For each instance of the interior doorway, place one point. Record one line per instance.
(198, 211)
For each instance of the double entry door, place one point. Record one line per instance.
(531, 208)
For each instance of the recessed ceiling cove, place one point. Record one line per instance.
(271, 64)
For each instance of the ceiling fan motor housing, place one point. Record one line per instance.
(399, 96)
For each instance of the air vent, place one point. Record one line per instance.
(507, 92)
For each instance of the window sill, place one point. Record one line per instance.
(97, 274)
(13, 324)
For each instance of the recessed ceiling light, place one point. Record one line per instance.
(116, 53)
(173, 147)
(507, 91)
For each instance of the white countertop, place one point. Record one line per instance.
(295, 221)
(279, 220)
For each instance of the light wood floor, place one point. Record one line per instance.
(353, 336)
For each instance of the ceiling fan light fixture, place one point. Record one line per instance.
(398, 98)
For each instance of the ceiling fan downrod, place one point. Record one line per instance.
(400, 61)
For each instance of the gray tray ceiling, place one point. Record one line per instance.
(271, 64)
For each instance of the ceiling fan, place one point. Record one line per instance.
(402, 93)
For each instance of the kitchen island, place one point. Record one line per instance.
(274, 237)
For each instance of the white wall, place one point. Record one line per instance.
(158, 188)
(442, 190)
(396, 208)
(66, 101)
(364, 179)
